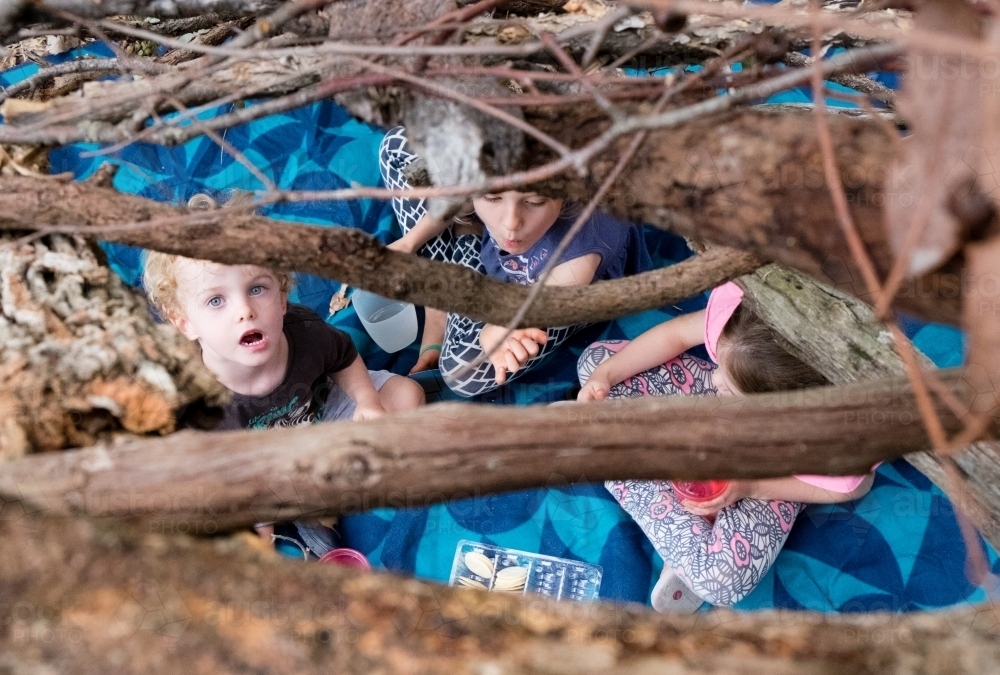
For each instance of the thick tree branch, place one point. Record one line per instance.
(348, 256)
(17, 13)
(839, 336)
(754, 181)
(77, 597)
(444, 451)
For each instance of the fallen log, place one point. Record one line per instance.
(214, 481)
(839, 336)
(78, 597)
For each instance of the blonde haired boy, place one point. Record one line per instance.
(283, 363)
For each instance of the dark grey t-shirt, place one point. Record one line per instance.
(315, 349)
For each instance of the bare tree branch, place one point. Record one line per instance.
(347, 255)
(17, 13)
(452, 449)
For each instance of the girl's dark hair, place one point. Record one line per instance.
(756, 362)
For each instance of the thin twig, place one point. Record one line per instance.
(571, 67)
(604, 24)
(665, 120)
(460, 16)
(74, 68)
(447, 92)
(836, 187)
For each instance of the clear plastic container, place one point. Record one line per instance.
(391, 323)
(497, 569)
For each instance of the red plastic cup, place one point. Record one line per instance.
(699, 491)
(347, 557)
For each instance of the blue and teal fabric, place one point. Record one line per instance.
(897, 549)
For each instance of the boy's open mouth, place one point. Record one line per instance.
(252, 338)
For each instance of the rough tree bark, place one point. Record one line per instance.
(749, 180)
(80, 355)
(350, 256)
(17, 13)
(754, 181)
(448, 450)
(77, 598)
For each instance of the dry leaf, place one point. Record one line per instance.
(13, 108)
(592, 8)
(339, 300)
(140, 408)
(942, 98)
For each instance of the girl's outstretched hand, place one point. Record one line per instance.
(596, 389)
(521, 346)
(737, 490)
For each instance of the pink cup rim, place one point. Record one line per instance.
(347, 557)
(723, 484)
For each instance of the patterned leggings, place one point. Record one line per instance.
(723, 562)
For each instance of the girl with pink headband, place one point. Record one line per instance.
(722, 562)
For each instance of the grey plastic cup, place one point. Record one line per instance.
(391, 324)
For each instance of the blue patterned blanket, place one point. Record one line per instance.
(897, 549)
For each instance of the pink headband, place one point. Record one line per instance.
(721, 304)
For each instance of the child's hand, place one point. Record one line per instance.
(266, 532)
(737, 490)
(428, 360)
(368, 410)
(596, 389)
(401, 245)
(521, 346)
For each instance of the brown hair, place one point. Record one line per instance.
(756, 361)
(468, 215)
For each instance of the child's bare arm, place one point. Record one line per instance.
(431, 340)
(576, 272)
(357, 383)
(794, 490)
(654, 347)
(426, 229)
(789, 489)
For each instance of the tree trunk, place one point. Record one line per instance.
(220, 480)
(79, 598)
(839, 336)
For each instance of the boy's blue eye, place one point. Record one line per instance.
(257, 290)
(215, 301)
